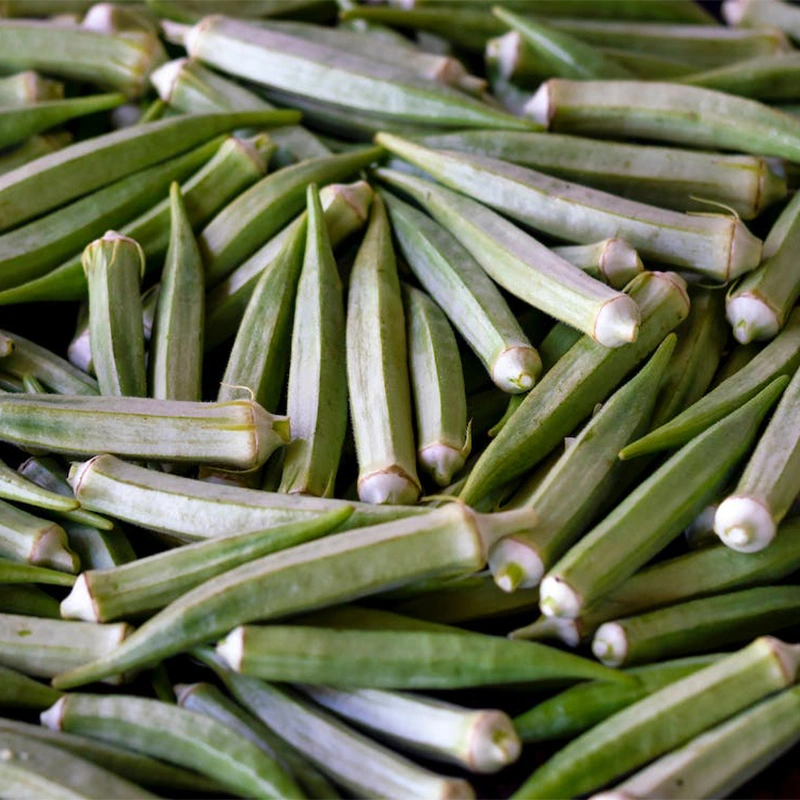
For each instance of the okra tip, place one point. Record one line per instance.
(166, 76)
(517, 369)
(619, 262)
(393, 485)
(558, 598)
(493, 742)
(231, 648)
(751, 317)
(51, 550)
(106, 250)
(442, 461)
(540, 107)
(514, 565)
(744, 524)
(53, 717)
(79, 603)
(610, 644)
(494, 527)
(617, 322)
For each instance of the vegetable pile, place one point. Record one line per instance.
(398, 400)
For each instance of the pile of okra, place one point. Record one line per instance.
(398, 400)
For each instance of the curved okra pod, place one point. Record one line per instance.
(114, 268)
(466, 294)
(20, 691)
(569, 391)
(377, 371)
(13, 572)
(716, 246)
(480, 740)
(316, 400)
(758, 305)
(514, 259)
(26, 538)
(655, 512)
(747, 520)
(613, 261)
(175, 735)
(236, 435)
(665, 720)
(697, 625)
(147, 584)
(176, 346)
(437, 382)
(668, 177)
(719, 761)
(581, 707)
(453, 540)
(769, 14)
(346, 210)
(34, 769)
(522, 559)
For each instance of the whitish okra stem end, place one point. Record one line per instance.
(516, 369)
(610, 644)
(393, 486)
(231, 649)
(79, 603)
(744, 524)
(515, 565)
(441, 462)
(493, 743)
(51, 551)
(53, 717)
(166, 76)
(617, 322)
(540, 107)
(733, 11)
(503, 54)
(751, 318)
(558, 598)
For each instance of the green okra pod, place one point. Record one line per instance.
(13, 572)
(114, 268)
(581, 707)
(20, 691)
(234, 435)
(148, 584)
(26, 538)
(31, 149)
(719, 247)
(176, 349)
(613, 261)
(177, 736)
(523, 559)
(655, 512)
(668, 177)
(377, 371)
(454, 539)
(14, 486)
(569, 391)
(779, 357)
(437, 383)
(97, 548)
(666, 719)
(24, 88)
(466, 294)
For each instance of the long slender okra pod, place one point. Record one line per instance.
(453, 538)
(26, 538)
(114, 267)
(779, 357)
(176, 735)
(316, 399)
(20, 691)
(655, 512)
(568, 393)
(151, 583)
(720, 247)
(665, 720)
(377, 371)
(176, 351)
(13, 572)
(522, 559)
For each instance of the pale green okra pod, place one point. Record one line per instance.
(27, 538)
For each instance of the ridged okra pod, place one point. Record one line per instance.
(176, 735)
(377, 371)
(568, 393)
(665, 720)
(235, 435)
(453, 538)
(719, 247)
(114, 268)
(317, 393)
(31, 149)
(13, 572)
(27, 538)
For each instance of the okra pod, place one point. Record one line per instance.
(770, 13)
(718, 247)
(20, 691)
(780, 357)
(148, 584)
(15, 487)
(665, 720)
(454, 539)
(31, 149)
(235, 435)
(316, 400)
(13, 572)
(25, 88)
(176, 350)
(466, 294)
(176, 735)
(114, 268)
(97, 548)
(377, 371)
(523, 559)
(26, 538)
(569, 391)
(655, 512)
(613, 261)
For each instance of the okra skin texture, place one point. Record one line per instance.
(18, 691)
(566, 394)
(317, 392)
(27, 538)
(236, 435)
(114, 268)
(31, 149)
(668, 177)
(655, 512)
(174, 734)
(697, 625)
(377, 371)
(148, 584)
(664, 720)
(721, 248)
(466, 294)
(780, 357)
(581, 707)
(176, 348)
(11, 572)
